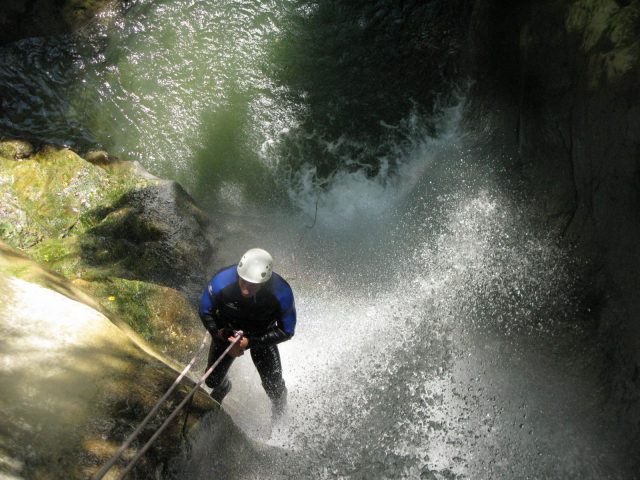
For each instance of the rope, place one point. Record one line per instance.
(153, 411)
(313, 224)
(175, 412)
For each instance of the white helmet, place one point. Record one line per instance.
(255, 266)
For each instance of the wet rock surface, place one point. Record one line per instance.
(562, 82)
(92, 338)
(74, 384)
(138, 243)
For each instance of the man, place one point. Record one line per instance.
(250, 297)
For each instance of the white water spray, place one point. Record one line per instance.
(413, 300)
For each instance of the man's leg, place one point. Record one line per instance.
(267, 362)
(218, 379)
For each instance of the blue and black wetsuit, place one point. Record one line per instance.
(268, 318)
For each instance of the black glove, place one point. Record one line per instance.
(225, 333)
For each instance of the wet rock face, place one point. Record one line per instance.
(119, 222)
(154, 234)
(74, 386)
(78, 378)
(152, 242)
(137, 243)
(563, 80)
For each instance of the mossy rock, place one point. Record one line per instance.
(114, 224)
(15, 149)
(609, 37)
(56, 194)
(162, 316)
(154, 234)
(46, 194)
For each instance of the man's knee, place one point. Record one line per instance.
(219, 374)
(213, 381)
(220, 389)
(267, 361)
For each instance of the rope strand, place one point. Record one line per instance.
(175, 412)
(101, 473)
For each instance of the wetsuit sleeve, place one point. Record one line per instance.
(272, 337)
(207, 310)
(285, 325)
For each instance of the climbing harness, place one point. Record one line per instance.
(237, 337)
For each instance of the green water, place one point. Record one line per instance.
(235, 96)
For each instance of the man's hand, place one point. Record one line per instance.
(240, 346)
(224, 333)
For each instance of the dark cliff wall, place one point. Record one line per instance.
(561, 81)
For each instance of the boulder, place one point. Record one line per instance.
(16, 149)
(139, 244)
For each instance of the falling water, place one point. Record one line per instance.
(440, 335)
